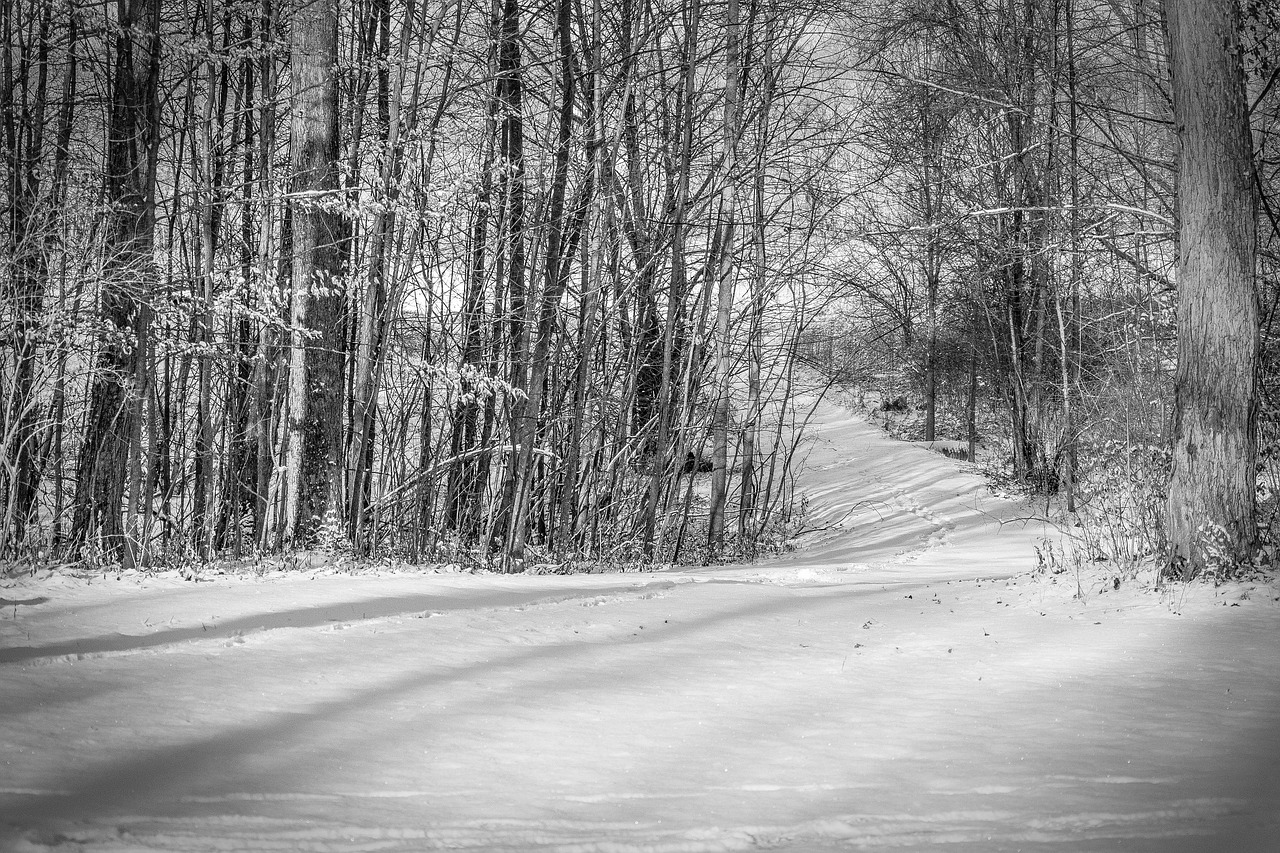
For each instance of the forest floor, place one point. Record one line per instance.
(904, 681)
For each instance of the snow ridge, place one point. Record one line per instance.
(962, 829)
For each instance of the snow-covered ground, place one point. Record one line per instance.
(901, 683)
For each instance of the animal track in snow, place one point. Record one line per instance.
(942, 524)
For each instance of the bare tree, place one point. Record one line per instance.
(726, 273)
(132, 142)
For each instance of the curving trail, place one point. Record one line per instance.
(900, 683)
(883, 510)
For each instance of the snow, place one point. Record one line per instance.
(902, 682)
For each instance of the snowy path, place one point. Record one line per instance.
(901, 684)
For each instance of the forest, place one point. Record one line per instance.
(522, 425)
(555, 283)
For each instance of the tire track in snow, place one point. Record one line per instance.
(329, 617)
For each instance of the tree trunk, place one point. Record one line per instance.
(372, 308)
(1070, 353)
(241, 481)
(266, 515)
(462, 496)
(133, 136)
(591, 247)
(210, 200)
(1210, 510)
(28, 220)
(465, 486)
(511, 104)
(726, 272)
(932, 187)
(971, 407)
(749, 526)
(657, 499)
(555, 280)
(316, 357)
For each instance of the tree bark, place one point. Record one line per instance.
(1210, 510)
(316, 357)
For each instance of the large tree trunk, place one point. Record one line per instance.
(131, 145)
(314, 456)
(1211, 494)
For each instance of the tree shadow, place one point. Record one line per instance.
(25, 602)
(302, 617)
(161, 777)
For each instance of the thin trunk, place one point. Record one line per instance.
(555, 280)
(27, 225)
(749, 526)
(1070, 357)
(209, 192)
(136, 552)
(268, 506)
(726, 272)
(591, 284)
(371, 309)
(238, 492)
(511, 134)
(971, 408)
(664, 461)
